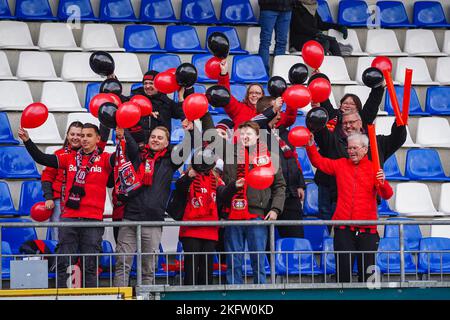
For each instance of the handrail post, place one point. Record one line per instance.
(272, 253)
(139, 254)
(402, 254)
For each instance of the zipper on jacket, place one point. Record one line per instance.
(354, 191)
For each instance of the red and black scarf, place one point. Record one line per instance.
(202, 196)
(125, 177)
(148, 162)
(77, 191)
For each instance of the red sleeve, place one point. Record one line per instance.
(63, 160)
(385, 190)
(101, 145)
(108, 166)
(326, 165)
(287, 118)
(234, 107)
(49, 174)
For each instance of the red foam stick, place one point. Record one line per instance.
(393, 96)
(406, 95)
(373, 147)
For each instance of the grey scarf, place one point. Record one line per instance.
(310, 5)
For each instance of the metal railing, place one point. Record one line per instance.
(172, 279)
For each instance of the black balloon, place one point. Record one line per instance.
(102, 63)
(111, 86)
(298, 73)
(372, 77)
(107, 115)
(186, 74)
(316, 119)
(218, 96)
(276, 86)
(219, 44)
(318, 75)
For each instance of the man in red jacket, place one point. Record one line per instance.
(358, 185)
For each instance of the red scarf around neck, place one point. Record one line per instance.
(202, 198)
(148, 162)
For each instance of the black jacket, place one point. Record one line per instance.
(305, 27)
(276, 5)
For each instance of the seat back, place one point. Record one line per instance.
(424, 164)
(389, 262)
(33, 10)
(141, 38)
(237, 12)
(438, 100)
(413, 199)
(81, 8)
(384, 126)
(46, 133)
(391, 169)
(434, 255)
(384, 209)
(411, 232)
(17, 236)
(5, 11)
(315, 234)
(127, 67)
(5, 69)
(30, 193)
(162, 62)
(76, 67)
(60, 96)
(198, 11)
(232, 36)
(15, 35)
(307, 169)
(36, 66)
(56, 36)
(429, 14)
(92, 89)
(182, 39)
(440, 230)
(6, 135)
(444, 199)
(327, 257)
(393, 14)
(442, 65)
(420, 41)
(353, 13)
(324, 11)
(433, 131)
(117, 11)
(419, 67)
(16, 163)
(6, 202)
(252, 40)
(415, 109)
(199, 61)
(16, 95)
(311, 205)
(99, 37)
(248, 69)
(336, 70)
(283, 63)
(299, 260)
(157, 11)
(382, 41)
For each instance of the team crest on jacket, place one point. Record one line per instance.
(239, 204)
(262, 161)
(213, 196)
(197, 202)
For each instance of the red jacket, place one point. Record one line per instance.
(356, 184)
(92, 204)
(55, 176)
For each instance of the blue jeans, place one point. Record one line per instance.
(56, 217)
(235, 238)
(270, 21)
(326, 204)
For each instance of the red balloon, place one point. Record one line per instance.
(313, 54)
(297, 96)
(382, 63)
(172, 70)
(144, 103)
(261, 177)
(299, 136)
(195, 106)
(320, 89)
(39, 213)
(128, 115)
(100, 99)
(166, 82)
(212, 68)
(34, 115)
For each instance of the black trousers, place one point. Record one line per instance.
(347, 240)
(198, 268)
(292, 211)
(73, 241)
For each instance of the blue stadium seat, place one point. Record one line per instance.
(299, 121)
(424, 164)
(238, 91)
(385, 211)
(415, 108)
(324, 11)
(247, 265)
(135, 86)
(393, 15)
(6, 135)
(235, 12)
(198, 12)
(117, 11)
(141, 38)
(233, 38)
(429, 14)
(163, 61)
(248, 69)
(5, 11)
(66, 10)
(34, 10)
(16, 163)
(183, 39)
(198, 88)
(157, 11)
(353, 13)
(17, 236)
(218, 117)
(177, 134)
(307, 170)
(30, 193)
(107, 263)
(327, 257)
(6, 250)
(6, 202)
(437, 262)
(438, 101)
(301, 262)
(311, 204)
(199, 61)
(412, 232)
(92, 89)
(389, 262)
(315, 234)
(392, 171)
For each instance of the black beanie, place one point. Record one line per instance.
(150, 75)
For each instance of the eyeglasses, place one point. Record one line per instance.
(349, 123)
(256, 93)
(349, 103)
(353, 148)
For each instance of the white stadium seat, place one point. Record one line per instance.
(83, 117)
(52, 149)
(336, 70)
(414, 199)
(363, 93)
(15, 35)
(282, 64)
(440, 231)
(76, 67)
(433, 132)
(443, 71)
(252, 40)
(61, 96)
(47, 133)
(16, 95)
(421, 75)
(57, 37)
(5, 69)
(99, 37)
(383, 126)
(352, 40)
(446, 46)
(127, 67)
(444, 199)
(420, 42)
(36, 66)
(383, 42)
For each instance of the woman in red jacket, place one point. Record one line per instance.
(357, 185)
